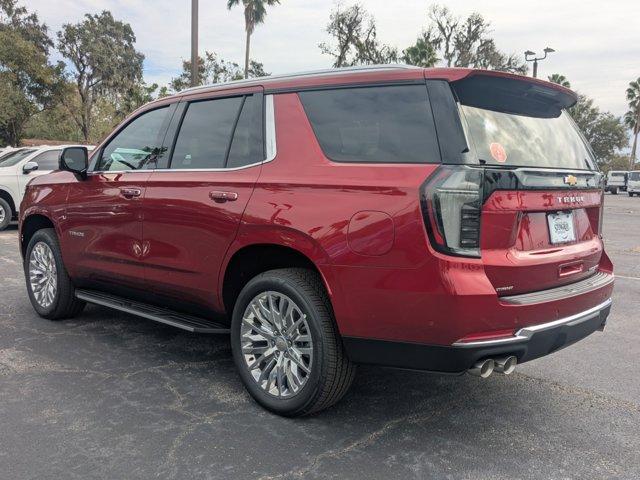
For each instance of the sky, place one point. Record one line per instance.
(597, 43)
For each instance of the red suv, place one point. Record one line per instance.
(434, 219)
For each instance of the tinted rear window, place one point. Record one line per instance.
(390, 124)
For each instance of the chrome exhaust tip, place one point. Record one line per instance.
(483, 368)
(506, 365)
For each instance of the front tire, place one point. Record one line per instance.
(286, 344)
(50, 290)
(5, 214)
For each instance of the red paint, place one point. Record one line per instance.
(360, 225)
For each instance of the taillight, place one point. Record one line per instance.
(451, 207)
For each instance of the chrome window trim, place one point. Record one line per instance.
(525, 333)
(270, 149)
(269, 129)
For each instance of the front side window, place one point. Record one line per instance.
(389, 124)
(204, 136)
(138, 146)
(13, 158)
(48, 160)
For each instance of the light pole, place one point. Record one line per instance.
(535, 59)
(194, 43)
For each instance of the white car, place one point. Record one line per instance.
(633, 183)
(17, 168)
(615, 181)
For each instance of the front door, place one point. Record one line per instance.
(193, 208)
(102, 233)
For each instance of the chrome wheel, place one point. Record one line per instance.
(43, 274)
(276, 344)
(3, 214)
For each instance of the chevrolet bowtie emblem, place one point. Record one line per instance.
(571, 180)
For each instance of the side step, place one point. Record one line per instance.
(150, 312)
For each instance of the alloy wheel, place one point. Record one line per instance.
(43, 274)
(276, 344)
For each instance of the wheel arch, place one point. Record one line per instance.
(247, 261)
(6, 196)
(30, 225)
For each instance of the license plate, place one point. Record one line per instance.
(561, 228)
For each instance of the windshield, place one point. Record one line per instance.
(634, 176)
(13, 158)
(502, 138)
(616, 174)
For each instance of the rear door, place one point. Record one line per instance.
(102, 233)
(540, 193)
(192, 209)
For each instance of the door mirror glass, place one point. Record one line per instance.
(29, 167)
(75, 159)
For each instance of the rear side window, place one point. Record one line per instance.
(247, 145)
(390, 124)
(48, 160)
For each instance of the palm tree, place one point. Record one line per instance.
(632, 117)
(254, 13)
(559, 79)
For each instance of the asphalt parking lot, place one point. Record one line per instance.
(107, 395)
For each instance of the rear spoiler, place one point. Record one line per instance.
(513, 94)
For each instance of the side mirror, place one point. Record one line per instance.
(75, 160)
(29, 167)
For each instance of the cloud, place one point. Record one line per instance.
(598, 49)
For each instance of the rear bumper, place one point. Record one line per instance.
(527, 344)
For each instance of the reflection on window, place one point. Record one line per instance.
(504, 138)
(138, 146)
(205, 134)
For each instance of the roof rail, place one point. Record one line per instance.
(310, 73)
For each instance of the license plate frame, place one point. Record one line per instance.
(561, 227)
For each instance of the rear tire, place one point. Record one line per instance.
(614, 191)
(50, 290)
(273, 303)
(6, 214)
(630, 194)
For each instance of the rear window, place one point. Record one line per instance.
(390, 124)
(616, 174)
(517, 122)
(520, 140)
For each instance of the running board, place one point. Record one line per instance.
(150, 312)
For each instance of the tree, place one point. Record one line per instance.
(604, 131)
(255, 12)
(213, 69)
(356, 37)
(423, 53)
(466, 42)
(104, 60)
(559, 79)
(632, 117)
(29, 84)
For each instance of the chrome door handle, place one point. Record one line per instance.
(130, 192)
(221, 197)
